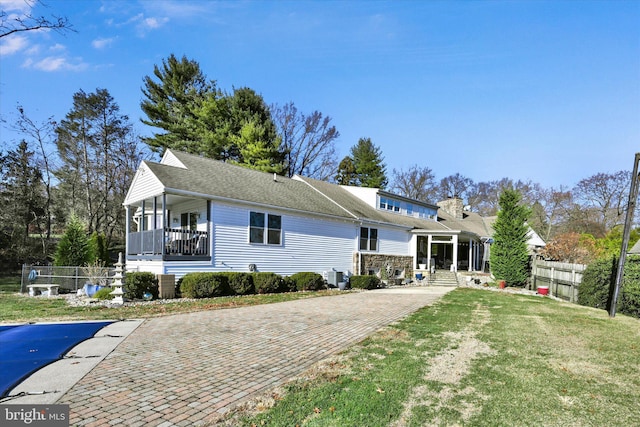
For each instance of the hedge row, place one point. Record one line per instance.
(597, 280)
(208, 285)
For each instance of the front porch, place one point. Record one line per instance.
(169, 228)
(169, 244)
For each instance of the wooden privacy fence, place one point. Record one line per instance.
(562, 278)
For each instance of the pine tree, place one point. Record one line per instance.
(256, 152)
(74, 248)
(509, 256)
(172, 101)
(98, 156)
(23, 205)
(364, 167)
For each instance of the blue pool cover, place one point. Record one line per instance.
(26, 348)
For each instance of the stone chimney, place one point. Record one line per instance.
(453, 206)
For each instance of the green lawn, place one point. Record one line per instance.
(16, 307)
(477, 358)
(9, 284)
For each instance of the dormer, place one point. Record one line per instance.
(394, 203)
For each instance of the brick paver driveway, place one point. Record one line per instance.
(182, 369)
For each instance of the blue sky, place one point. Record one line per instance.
(547, 91)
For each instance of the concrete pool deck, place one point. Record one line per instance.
(185, 369)
(51, 382)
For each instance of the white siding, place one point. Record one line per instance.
(394, 241)
(196, 205)
(308, 244)
(368, 195)
(145, 184)
(170, 159)
(154, 267)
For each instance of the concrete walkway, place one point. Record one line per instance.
(183, 369)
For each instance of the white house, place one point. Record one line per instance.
(189, 213)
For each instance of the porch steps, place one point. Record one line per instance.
(444, 278)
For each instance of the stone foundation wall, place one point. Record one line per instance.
(397, 266)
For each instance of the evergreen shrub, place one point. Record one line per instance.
(240, 283)
(365, 282)
(269, 283)
(137, 283)
(630, 295)
(597, 282)
(104, 293)
(204, 285)
(308, 281)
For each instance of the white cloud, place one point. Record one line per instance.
(12, 45)
(57, 48)
(50, 63)
(21, 6)
(144, 24)
(53, 63)
(102, 42)
(153, 23)
(135, 18)
(179, 9)
(33, 50)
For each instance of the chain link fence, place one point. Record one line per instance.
(69, 279)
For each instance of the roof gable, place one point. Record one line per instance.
(144, 185)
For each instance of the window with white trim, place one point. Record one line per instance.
(265, 228)
(368, 239)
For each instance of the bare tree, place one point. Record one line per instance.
(603, 197)
(416, 183)
(42, 133)
(483, 197)
(550, 211)
(454, 186)
(11, 23)
(307, 142)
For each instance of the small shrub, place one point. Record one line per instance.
(240, 283)
(137, 283)
(268, 283)
(204, 285)
(365, 282)
(308, 281)
(104, 293)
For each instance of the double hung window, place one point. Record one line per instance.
(265, 228)
(368, 239)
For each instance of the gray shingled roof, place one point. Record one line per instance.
(365, 211)
(635, 249)
(216, 179)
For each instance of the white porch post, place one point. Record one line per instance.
(163, 250)
(155, 223)
(127, 228)
(429, 240)
(141, 227)
(455, 252)
(471, 260)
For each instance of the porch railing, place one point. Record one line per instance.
(170, 242)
